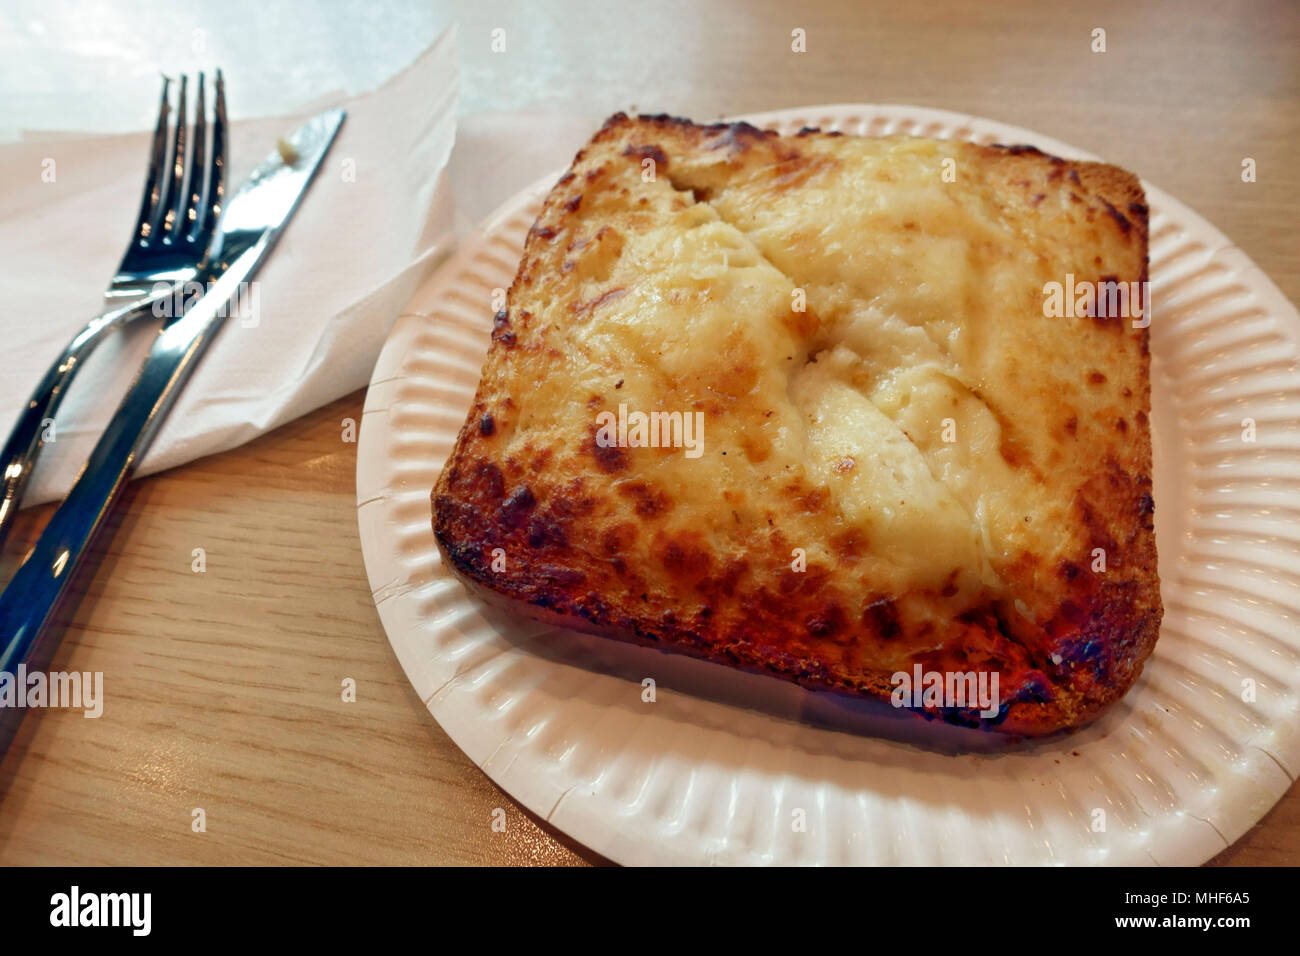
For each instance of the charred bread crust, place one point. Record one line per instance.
(591, 547)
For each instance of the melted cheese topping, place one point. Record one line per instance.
(922, 387)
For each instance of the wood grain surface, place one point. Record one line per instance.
(224, 688)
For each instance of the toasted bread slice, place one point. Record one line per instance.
(810, 406)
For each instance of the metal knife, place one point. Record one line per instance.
(252, 221)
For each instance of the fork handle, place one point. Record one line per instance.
(40, 584)
(25, 441)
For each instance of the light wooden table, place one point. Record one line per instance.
(223, 688)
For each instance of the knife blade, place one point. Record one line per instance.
(253, 220)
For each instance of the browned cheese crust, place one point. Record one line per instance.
(661, 273)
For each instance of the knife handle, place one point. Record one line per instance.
(40, 584)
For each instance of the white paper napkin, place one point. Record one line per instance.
(376, 220)
(499, 153)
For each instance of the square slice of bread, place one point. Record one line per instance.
(835, 409)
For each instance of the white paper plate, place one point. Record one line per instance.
(723, 766)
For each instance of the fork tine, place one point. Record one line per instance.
(144, 222)
(195, 170)
(174, 195)
(214, 192)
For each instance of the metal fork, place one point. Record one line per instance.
(184, 189)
